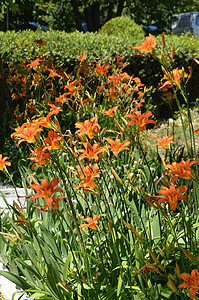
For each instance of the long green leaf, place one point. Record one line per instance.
(90, 256)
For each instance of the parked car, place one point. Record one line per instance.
(85, 27)
(151, 29)
(185, 22)
(30, 25)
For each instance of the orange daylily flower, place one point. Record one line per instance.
(52, 73)
(88, 176)
(173, 78)
(140, 119)
(196, 130)
(192, 282)
(3, 162)
(115, 79)
(72, 88)
(46, 191)
(101, 70)
(138, 81)
(148, 45)
(100, 89)
(116, 146)
(92, 222)
(40, 157)
(91, 152)
(27, 133)
(89, 127)
(111, 93)
(43, 121)
(165, 141)
(172, 195)
(55, 204)
(34, 63)
(53, 141)
(181, 169)
(110, 111)
(82, 57)
(54, 109)
(126, 76)
(62, 98)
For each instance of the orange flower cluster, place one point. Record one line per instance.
(181, 169)
(88, 176)
(28, 132)
(172, 79)
(172, 194)
(73, 88)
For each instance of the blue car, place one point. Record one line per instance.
(150, 29)
(30, 25)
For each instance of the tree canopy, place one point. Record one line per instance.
(69, 15)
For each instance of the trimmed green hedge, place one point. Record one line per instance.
(62, 46)
(66, 47)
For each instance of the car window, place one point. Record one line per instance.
(185, 21)
(197, 21)
(174, 22)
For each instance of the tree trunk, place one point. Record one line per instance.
(110, 11)
(77, 15)
(6, 105)
(89, 22)
(95, 15)
(92, 17)
(120, 8)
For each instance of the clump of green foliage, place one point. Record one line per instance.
(122, 26)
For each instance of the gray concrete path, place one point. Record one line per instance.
(7, 288)
(10, 195)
